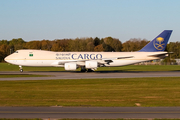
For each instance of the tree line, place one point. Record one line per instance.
(107, 44)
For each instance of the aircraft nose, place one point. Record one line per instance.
(6, 59)
(10, 59)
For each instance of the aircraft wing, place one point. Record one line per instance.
(109, 60)
(118, 58)
(100, 61)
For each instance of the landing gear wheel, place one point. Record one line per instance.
(90, 70)
(21, 70)
(83, 69)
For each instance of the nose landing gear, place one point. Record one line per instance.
(20, 69)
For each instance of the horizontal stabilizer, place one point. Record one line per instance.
(158, 55)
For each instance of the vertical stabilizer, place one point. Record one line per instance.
(159, 43)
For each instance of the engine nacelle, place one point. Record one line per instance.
(70, 66)
(91, 64)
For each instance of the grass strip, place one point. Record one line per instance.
(122, 92)
(19, 119)
(20, 75)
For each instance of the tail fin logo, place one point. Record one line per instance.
(159, 43)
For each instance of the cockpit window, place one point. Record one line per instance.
(16, 52)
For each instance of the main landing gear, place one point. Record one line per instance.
(20, 69)
(83, 69)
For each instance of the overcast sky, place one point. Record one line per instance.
(58, 19)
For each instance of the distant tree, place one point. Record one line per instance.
(90, 46)
(134, 45)
(112, 44)
(33, 45)
(4, 51)
(116, 45)
(61, 45)
(4, 42)
(56, 46)
(65, 43)
(16, 44)
(80, 44)
(175, 48)
(96, 41)
(102, 41)
(46, 45)
(107, 48)
(99, 48)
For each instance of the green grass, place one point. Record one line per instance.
(20, 75)
(9, 67)
(164, 91)
(19, 119)
(142, 68)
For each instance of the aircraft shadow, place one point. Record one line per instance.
(107, 71)
(110, 71)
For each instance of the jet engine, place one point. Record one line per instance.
(70, 66)
(91, 64)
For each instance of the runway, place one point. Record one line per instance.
(89, 112)
(91, 75)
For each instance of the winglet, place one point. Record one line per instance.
(159, 43)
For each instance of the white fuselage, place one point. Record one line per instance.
(49, 58)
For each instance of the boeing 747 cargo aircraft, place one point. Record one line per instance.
(88, 61)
